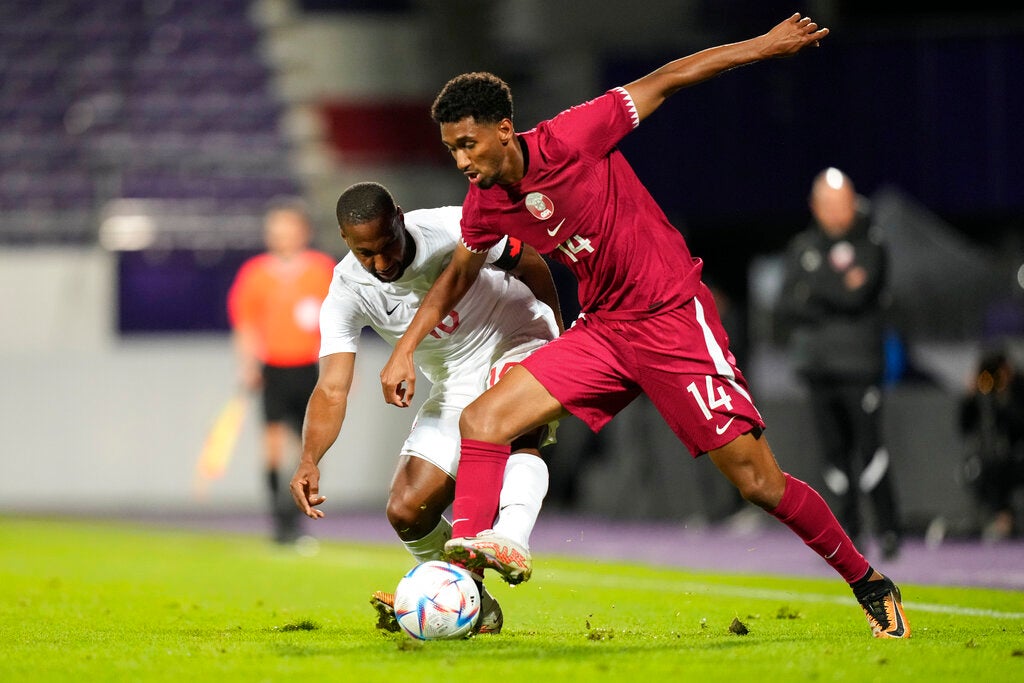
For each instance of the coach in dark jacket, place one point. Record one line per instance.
(832, 304)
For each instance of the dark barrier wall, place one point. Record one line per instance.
(938, 117)
(637, 469)
(179, 290)
(731, 160)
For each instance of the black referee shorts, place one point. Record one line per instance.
(286, 392)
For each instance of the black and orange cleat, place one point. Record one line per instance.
(881, 601)
(384, 603)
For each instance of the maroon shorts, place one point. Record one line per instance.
(679, 357)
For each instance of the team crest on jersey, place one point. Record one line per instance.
(540, 206)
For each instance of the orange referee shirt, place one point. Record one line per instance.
(281, 302)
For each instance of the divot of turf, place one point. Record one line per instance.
(303, 625)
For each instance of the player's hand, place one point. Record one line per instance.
(794, 34)
(398, 379)
(305, 488)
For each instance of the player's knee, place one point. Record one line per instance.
(408, 516)
(480, 424)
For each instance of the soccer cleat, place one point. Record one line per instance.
(882, 605)
(488, 550)
(491, 617)
(384, 603)
(490, 621)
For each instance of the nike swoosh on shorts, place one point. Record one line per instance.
(720, 429)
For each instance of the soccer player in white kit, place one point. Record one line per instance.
(510, 311)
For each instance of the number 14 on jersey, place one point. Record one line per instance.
(575, 245)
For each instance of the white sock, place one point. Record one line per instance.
(430, 547)
(522, 492)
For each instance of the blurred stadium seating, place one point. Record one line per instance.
(143, 99)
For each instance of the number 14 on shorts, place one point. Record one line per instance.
(713, 397)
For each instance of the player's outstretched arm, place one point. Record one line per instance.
(325, 414)
(398, 378)
(785, 39)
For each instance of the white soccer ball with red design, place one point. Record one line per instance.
(437, 601)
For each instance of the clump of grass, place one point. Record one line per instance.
(786, 613)
(303, 625)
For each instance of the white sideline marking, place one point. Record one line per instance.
(757, 593)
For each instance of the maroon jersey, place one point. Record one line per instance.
(581, 203)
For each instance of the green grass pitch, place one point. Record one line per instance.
(92, 601)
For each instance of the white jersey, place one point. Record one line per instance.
(495, 326)
(497, 314)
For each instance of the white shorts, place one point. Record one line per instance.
(435, 431)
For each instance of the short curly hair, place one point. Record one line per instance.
(480, 95)
(364, 202)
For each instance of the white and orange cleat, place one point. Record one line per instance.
(489, 550)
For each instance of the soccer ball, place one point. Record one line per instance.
(437, 601)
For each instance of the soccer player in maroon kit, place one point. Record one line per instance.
(648, 322)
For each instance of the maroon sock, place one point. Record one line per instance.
(804, 511)
(478, 486)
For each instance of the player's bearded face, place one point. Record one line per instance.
(478, 150)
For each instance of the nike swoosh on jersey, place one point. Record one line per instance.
(557, 227)
(720, 429)
(393, 309)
